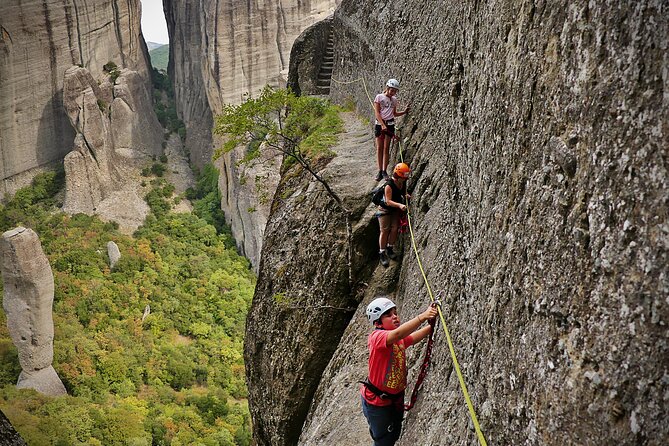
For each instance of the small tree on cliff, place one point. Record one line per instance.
(301, 128)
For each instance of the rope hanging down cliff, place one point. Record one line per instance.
(451, 348)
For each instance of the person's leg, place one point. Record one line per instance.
(393, 228)
(379, 151)
(397, 418)
(379, 141)
(385, 221)
(382, 421)
(390, 132)
(386, 153)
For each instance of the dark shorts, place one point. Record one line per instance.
(385, 423)
(390, 130)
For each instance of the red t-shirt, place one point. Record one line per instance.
(387, 366)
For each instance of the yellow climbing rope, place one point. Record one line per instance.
(451, 348)
(364, 84)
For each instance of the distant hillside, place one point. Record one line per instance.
(160, 56)
(154, 45)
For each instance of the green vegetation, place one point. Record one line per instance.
(206, 199)
(174, 377)
(158, 169)
(160, 56)
(303, 128)
(164, 105)
(112, 69)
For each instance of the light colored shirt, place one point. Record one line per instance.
(387, 106)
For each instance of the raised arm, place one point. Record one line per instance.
(406, 110)
(410, 326)
(421, 334)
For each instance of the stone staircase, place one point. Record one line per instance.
(325, 73)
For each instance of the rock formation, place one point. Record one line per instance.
(27, 301)
(303, 295)
(8, 434)
(306, 57)
(39, 41)
(115, 125)
(219, 52)
(247, 192)
(538, 143)
(113, 253)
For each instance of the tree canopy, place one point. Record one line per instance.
(174, 377)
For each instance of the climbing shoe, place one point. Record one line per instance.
(379, 176)
(383, 257)
(384, 174)
(392, 255)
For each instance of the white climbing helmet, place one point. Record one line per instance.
(377, 307)
(393, 83)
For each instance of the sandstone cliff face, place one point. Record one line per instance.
(303, 299)
(117, 131)
(39, 40)
(247, 191)
(538, 144)
(219, 52)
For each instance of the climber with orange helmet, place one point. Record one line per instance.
(383, 390)
(385, 112)
(391, 209)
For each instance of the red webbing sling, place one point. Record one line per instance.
(423, 368)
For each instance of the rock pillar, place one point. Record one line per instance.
(28, 301)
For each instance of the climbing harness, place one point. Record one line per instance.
(419, 380)
(380, 393)
(451, 348)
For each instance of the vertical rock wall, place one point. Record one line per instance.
(538, 142)
(246, 197)
(306, 58)
(39, 40)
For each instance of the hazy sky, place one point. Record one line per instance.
(154, 27)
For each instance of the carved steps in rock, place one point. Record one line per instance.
(325, 73)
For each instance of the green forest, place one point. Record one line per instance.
(175, 377)
(160, 57)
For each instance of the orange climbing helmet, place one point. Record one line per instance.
(402, 170)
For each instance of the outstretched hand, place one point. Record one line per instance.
(430, 313)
